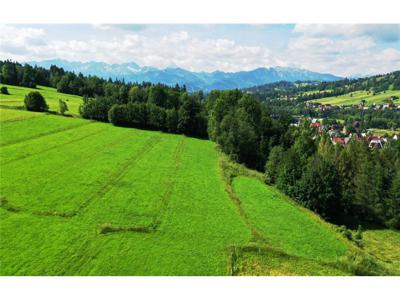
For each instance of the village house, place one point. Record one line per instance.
(376, 142)
(342, 141)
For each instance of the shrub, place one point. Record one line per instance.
(358, 237)
(117, 115)
(106, 228)
(4, 90)
(34, 101)
(346, 232)
(63, 107)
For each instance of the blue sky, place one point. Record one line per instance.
(346, 50)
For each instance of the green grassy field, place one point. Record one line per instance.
(285, 225)
(160, 193)
(356, 98)
(388, 132)
(299, 243)
(17, 94)
(86, 198)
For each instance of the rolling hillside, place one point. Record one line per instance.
(358, 96)
(15, 99)
(86, 198)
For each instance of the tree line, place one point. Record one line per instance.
(342, 184)
(304, 91)
(143, 105)
(243, 126)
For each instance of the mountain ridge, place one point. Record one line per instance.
(132, 72)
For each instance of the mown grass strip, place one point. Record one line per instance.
(58, 173)
(111, 180)
(169, 186)
(59, 145)
(264, 260)
(287, 226)
(229, 171)
(42, 134)
(20, 119)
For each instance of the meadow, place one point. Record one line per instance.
(358, 96)
(16, 96)
(79, 197)
(59, 190)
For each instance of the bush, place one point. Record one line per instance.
(117, 115)
(4, 90)
(358, 237)
(346, 232)
(34, 101)
(63, 107)
(106, 228)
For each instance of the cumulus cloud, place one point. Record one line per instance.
(173, 49)
(381, 32)
(345, 49)
(339, 49)
(18, 41)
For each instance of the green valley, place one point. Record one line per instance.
(81, 197)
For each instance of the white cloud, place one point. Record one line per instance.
(339, 49)
(382, 32)
(174, 49)
(344, 49)
(17, 41)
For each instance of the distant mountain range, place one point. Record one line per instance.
(132, 72)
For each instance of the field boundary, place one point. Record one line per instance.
(45, 134)
(112, 179)
(228, 172)
(14, 120)
(235, 254)
(169, 184)
(71, 213)
(52, 148)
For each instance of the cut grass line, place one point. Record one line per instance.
(169, 184)
(22, 157)
(20, 119)
(74, 264)
(113, 179)
(236, 253)
(40, 135)
(118, 174)
(4, 204)
(19, 107)
(72, 165)
(228, 173)
(66, 170)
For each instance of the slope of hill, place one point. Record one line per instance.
(108, 200)
(17, 94)
(86, 198)
(368, 86)
(131, 72)
(357, 96)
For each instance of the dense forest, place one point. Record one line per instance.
(339, 182)
(352, 184)
(304, 91)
